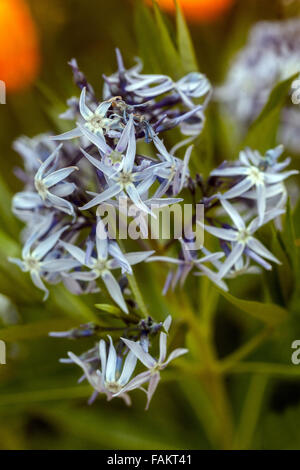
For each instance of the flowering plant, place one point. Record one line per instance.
(144, 143)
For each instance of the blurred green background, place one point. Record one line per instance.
(40, 404)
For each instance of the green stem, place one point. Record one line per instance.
(250, 413)
(137, 294)
(212, 378)
(275, 370)
(230, 361)
(136, 291)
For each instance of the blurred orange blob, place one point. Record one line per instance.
(198, 10)
(19, 50)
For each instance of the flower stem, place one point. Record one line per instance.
(137, 295)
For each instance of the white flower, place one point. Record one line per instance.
(95, 121)
(153, 365)
(38, 261)
(241, 239)
(112, 378)
(186, 265)
(129, 180)
(242, 266)
(261, 173)
(101, 265)
(50, 188)
(172, 169)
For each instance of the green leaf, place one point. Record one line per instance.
(271, 314)
(35, 330)
(122, 429)
(109, 309)
(172, 62)
(289, 238)
(185, 44)
(281, 278)
(148, 39)
(281, 430)
(203, 153)
(262, 134)
(296, 219)
(7, 220)
(72, 305)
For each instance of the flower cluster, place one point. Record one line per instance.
(102, 160)
(255, 187)
(109, 369)
(271, 55)
(64, 183)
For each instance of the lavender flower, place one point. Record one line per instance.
(37, 261)
(241, 239)
(158, 100)
(96, 121)
(186, 264)
(101, 266)
(256, 171)
(153, 365)
(50, 187)
(111, 379)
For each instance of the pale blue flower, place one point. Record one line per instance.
(256, 171)
(101, 266)
(186, 265)
(37, 261)
(50, 188)
(96, 121)
(128, 180)
(241, 238)
(112, 378)
(153, 365)
(172, 169)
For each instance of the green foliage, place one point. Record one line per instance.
(270, 314)
(262, 134)
(212, 398)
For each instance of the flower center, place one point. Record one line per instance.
(97, 123)
(156, 368)
(99, 267)
(125, 178)
(256, 175)
(32, 264)
(243, 236)
(116, 157)
(113, 387)
(41, 188)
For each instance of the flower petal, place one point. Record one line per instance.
(137, 349)
(128, 368)
(114, 290)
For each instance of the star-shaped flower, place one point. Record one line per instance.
(101, 266)
(242, 239)
(153, 365)
(37, 261)
(257, 172)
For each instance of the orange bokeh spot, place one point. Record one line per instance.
(198, 10)
(19, 51)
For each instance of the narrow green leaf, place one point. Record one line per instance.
(36, 330)
(262, 134)
(109, 309)
(266, 312)
(72, 305)
(172, 64)
(148, 39)
(185, 44)
(289, 237)
(8, 221)
(296, 219)
(282, 282)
